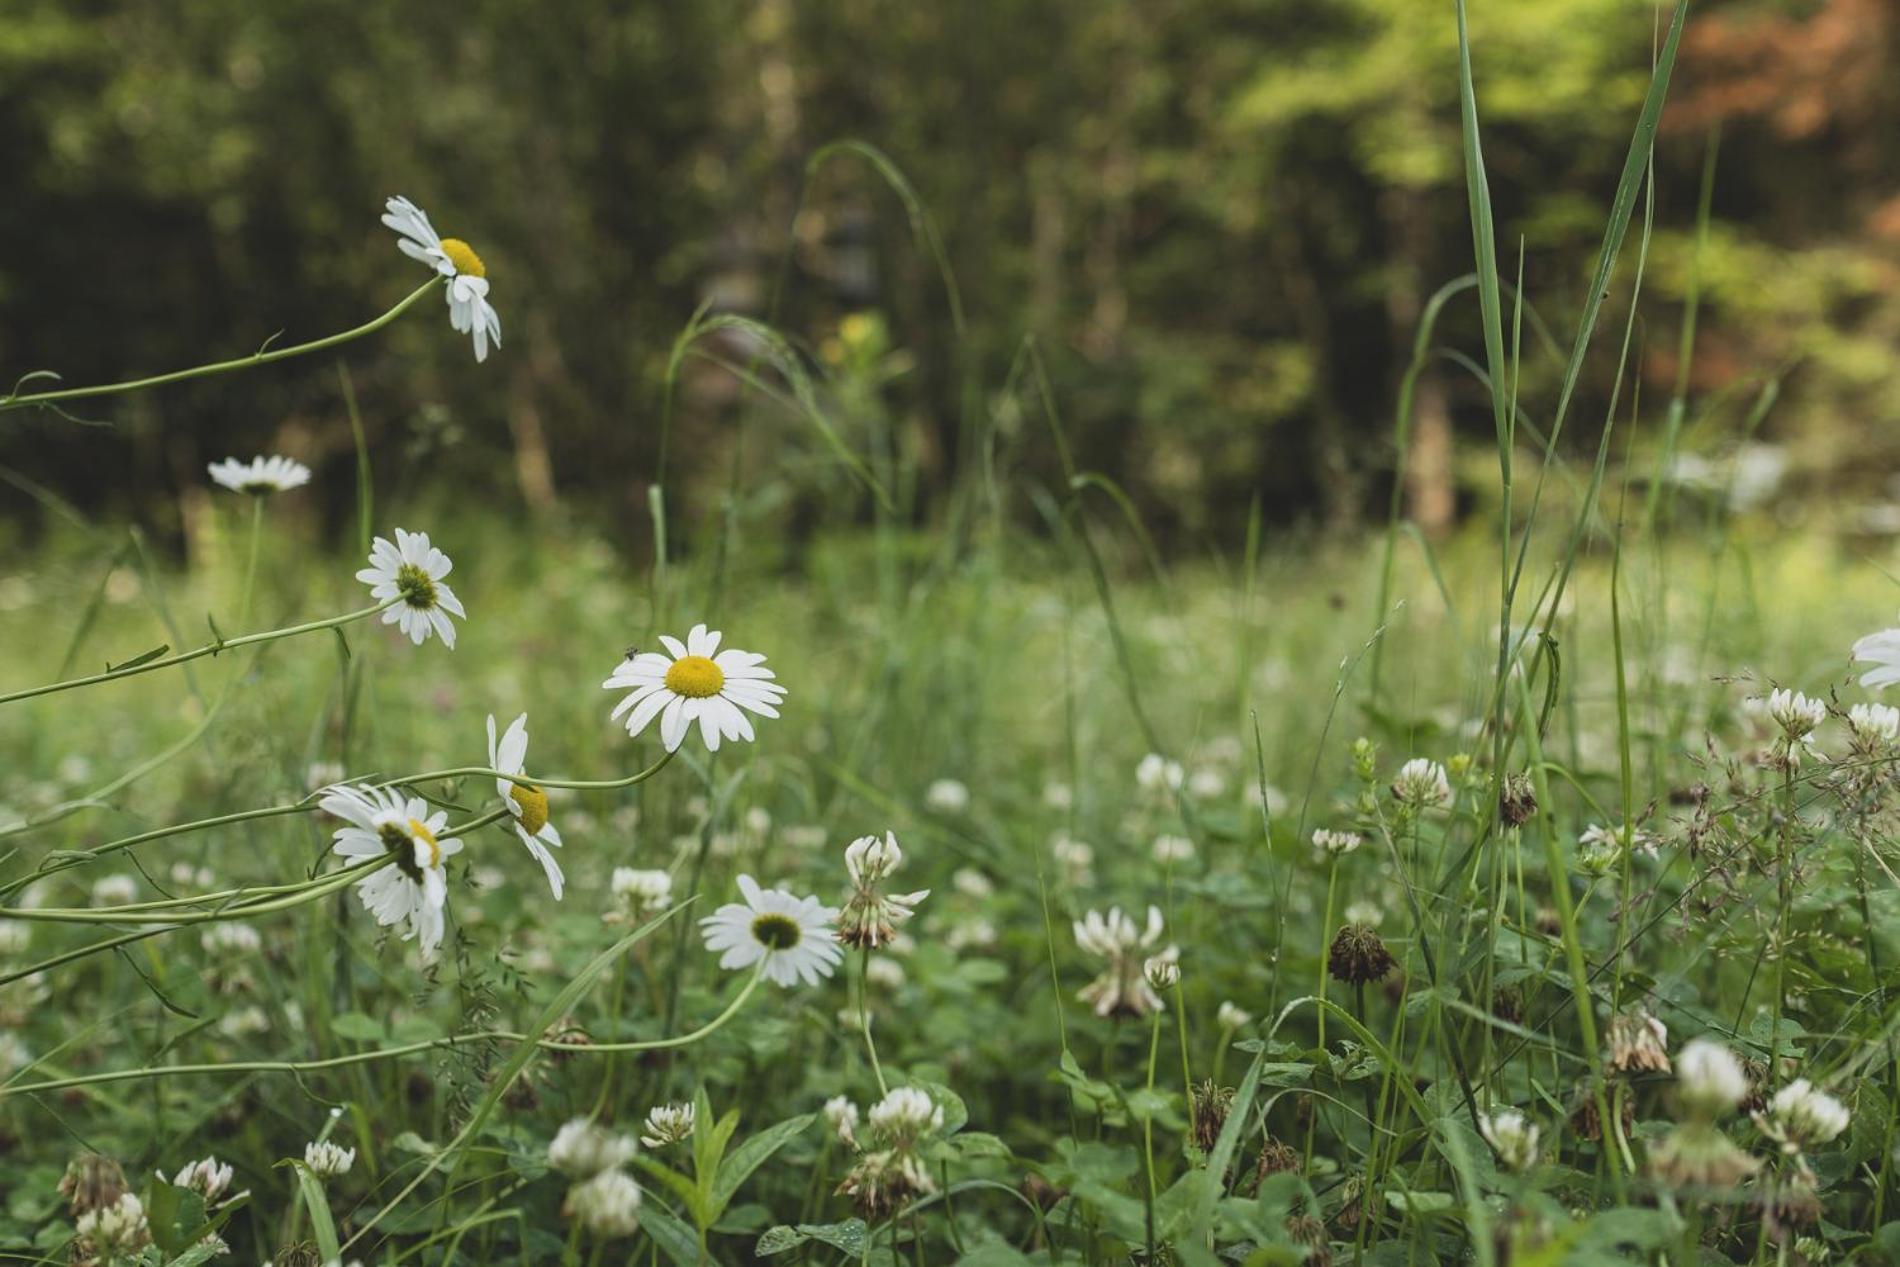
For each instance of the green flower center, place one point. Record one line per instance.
(777, 932)
(415, 587)
(695, 677)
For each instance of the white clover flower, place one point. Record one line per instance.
(905, 1113)
(1169, 850)
(1058, 796)
(884, 972)
(1367, 914)
(117, 889)
(1796, 714)
(231, 940)
(244, 1022)
(947, 796)
(608, 1205)
(973, 883)
(17, 934)
(695, 682)
(414, 891)
(1802, 1116)
(208, 1177)
(1155, 773)
(186, 876)
(1336, 844)
(640, 893)
(1231, 1018)
(1513, 1136)
(1076, 859)
(1122, 988)
(1421, 784)
(411, 573)
(469, 310)
(260, 476)
(792, 936)
(117, 1228)
(667, 1124)
(1874, 725)
(327, 1160)
(1163, 971)
(581, 1149)
(1709, 1078)
(870, 916)
(841, 1115)
(527, 804)
(14, 1053)
(975, 933)
(1206, 784)
(805, 836)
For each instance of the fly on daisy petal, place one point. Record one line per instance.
(469, 310)
(412, 570)
(382, 823)
(792, 935)
(260, 476)
(526, 803)
(692, 682)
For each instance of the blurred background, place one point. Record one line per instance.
(1220, 221)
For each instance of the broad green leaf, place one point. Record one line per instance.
(749, 1156)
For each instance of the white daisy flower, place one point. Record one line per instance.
(382, 824)
(412, 570)
(469, 310)
(528, 804)
(793, 935)
(260, 476)
(1882, 650)
(696, 682)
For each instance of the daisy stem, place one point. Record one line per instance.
(386, 1053)
(259, 357)
(210, 648)
(1148, 1132)
(525, 779)
(74, 858)
(250, 564)
(287, 897)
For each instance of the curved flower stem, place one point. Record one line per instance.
(531, 780)
(864, 1019)
(221, 367)
(210, 648)
(250, 562)
(278, 898)
(385, 1053)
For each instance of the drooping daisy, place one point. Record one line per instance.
(695, 682)
(381, 823)
(412, 570)
(469, 310)
(793, 935)
(528, 804)
(260, 476)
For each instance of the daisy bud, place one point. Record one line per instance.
(1358, 956)
(608, 1205)
(841, 1115)
(1801, 1116)
(327, 1160)
(582, 1149)
(667, 1124)
(1162, 971)
(1512, 1136)
(1709, 1079)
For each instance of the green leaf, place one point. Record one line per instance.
(749, 1156)
(322, 1226)
(144, 658)
(847, 1237)
(681, 1186)
(359, 1028)
(176, 1216)
(677, 1241)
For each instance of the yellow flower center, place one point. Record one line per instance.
(533, 803)
(463, 256)
(695, 677)
(423, 834)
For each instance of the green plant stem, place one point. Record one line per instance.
(222, 367)
(389, 1053)
(250, 562)
(1148, 1132)
(864, 1020)
(210, 648)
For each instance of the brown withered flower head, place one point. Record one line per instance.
(1639, 1043)
(91, 1182)
(1210, 1106)
(1517, 801)
(1358, 956)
